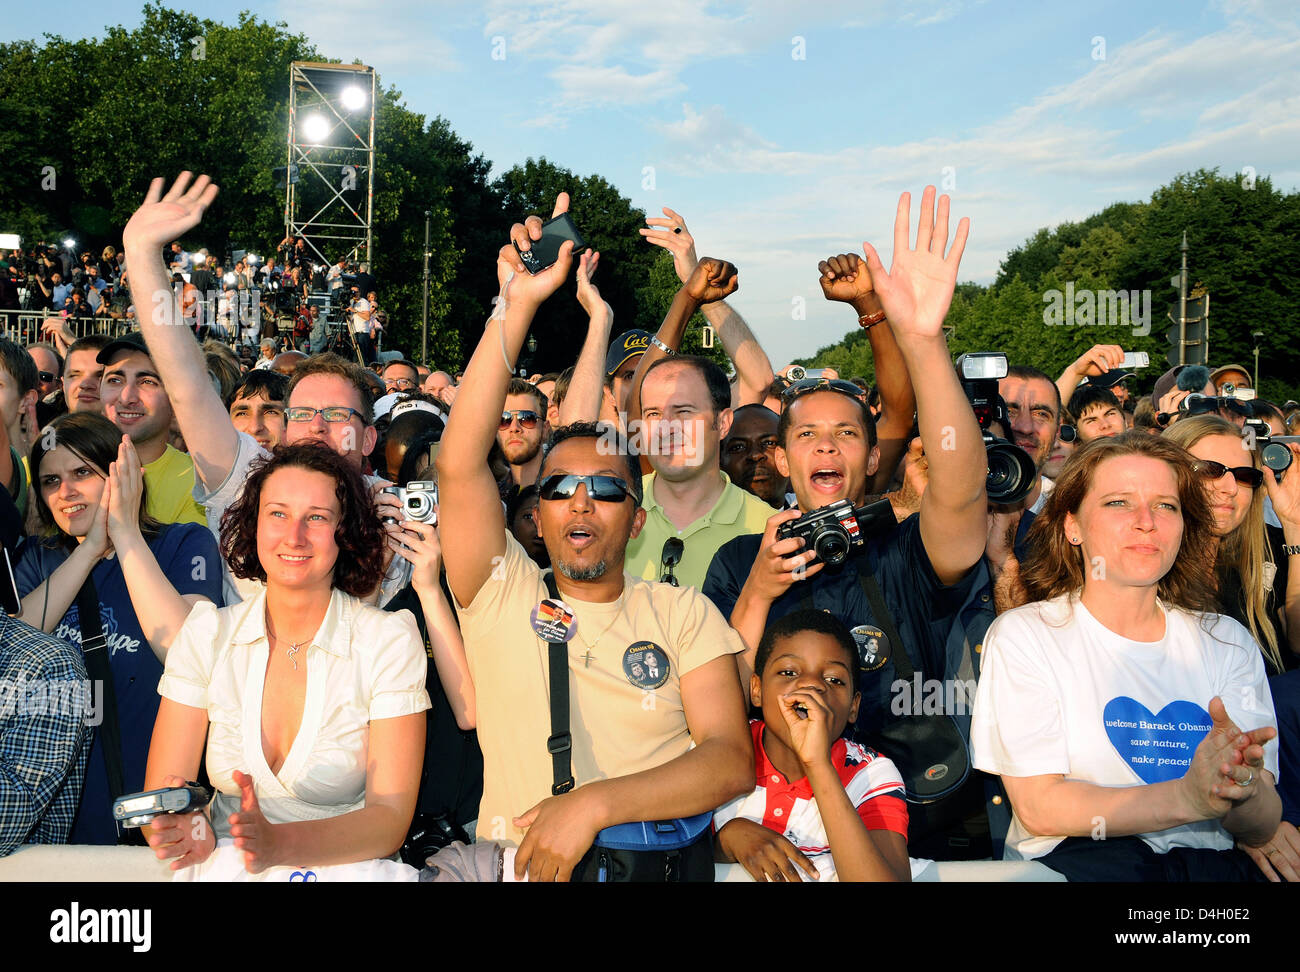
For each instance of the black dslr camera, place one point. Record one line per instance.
(1011, 473)
(834, 530)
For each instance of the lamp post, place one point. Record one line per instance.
(424, 327)
(1257, 335)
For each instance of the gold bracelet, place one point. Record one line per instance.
(871, 320)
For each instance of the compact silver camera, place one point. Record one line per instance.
(137, 809)
(419, 501)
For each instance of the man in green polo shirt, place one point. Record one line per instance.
(685, 414)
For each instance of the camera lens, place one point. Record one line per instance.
(831, 544)
(1011, 472)
(418, 507)
(1277, 457)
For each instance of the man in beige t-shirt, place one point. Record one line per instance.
(656, 712)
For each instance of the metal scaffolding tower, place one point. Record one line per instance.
(331, 159)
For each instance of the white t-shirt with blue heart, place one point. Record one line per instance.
(1059, 693)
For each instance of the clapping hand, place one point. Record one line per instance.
(124, 489)
(917, 290)
(253, 833)
(1226, 766)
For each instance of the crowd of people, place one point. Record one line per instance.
(243, 300)
(642, 617)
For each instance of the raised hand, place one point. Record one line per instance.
(1285, 494)
(419, 544)
(917, 290)
(1098, 359)
(673, 236)
(712, 280)
(162, 218)
(523, 287)
(588, 295)
(126, 484)
(845, 278)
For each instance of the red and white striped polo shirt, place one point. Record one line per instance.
(871, 781)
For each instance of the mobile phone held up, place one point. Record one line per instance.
(545, 251)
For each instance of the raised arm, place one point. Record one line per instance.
(158, 606)
(845, 278)
(473, 523)
(1097, 360)
(582, 403)
(710, 281)
(916, 293)
(203, 419)
(753, 369)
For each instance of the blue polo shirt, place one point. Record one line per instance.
(927, 613)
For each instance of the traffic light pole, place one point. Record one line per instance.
(1182, 305)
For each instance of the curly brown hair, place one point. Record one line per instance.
(1055, 566)
(360, 536)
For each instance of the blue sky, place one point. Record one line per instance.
(1034, 113)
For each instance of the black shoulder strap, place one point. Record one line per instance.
(902, 664)
(560, 742)
(95, 648)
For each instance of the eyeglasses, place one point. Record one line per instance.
(670, 558)
(607, 489)
(527, 419)
(1245, 475)
(399, 384)
(807, 385)
(333, 414)
(44, 376)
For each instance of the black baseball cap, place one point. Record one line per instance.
(625, 346)
(133, 341)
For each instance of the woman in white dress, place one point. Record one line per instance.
(311, 700)
(1131, 725)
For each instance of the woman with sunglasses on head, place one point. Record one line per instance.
(143, 576)
(1117, 704)
(311, 702)
(1251, 568)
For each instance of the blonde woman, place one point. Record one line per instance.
(1254, 584)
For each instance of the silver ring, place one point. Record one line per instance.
(1250, 780)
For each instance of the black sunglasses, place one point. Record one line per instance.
(607, 489)
(44, 376)
(527, 419)
(807, 385)
(1245, 475)
(670, 558)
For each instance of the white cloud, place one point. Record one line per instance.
(401, 37)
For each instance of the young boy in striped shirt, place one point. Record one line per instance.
(823, 808)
